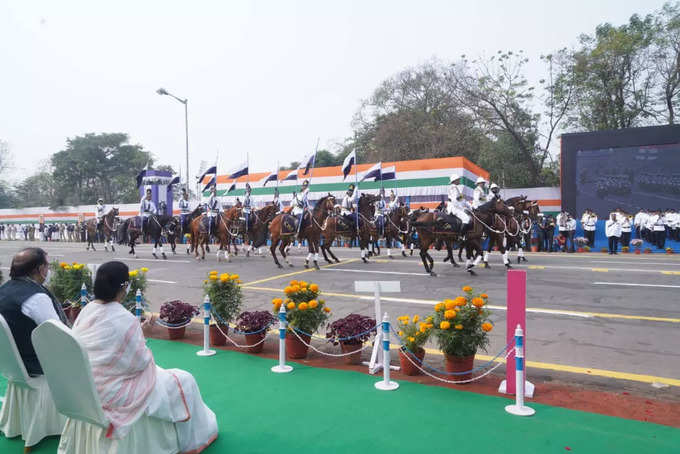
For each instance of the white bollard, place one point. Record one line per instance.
(83, 295)
(519, 408)
(138, 305)
(206, 329)
(282, 367)
(386, 384)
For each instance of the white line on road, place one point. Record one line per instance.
(628, 262)
(156, 260)
(630, 284)
(161, 282)
(374, 272)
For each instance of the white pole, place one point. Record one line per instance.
(206, 329)
(83, 295)
(519, 408)
(386, 384)
(282, 367)
(138, 304)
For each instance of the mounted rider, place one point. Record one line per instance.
(394, 202)
(277, 201)
(479, 195)
(184, 210)
(146, 209)
(347, 207)
(495, 192)
(247, 206)
(100, 211)
(213, 209)
(380, 212)
(457, 205)
(301, 204)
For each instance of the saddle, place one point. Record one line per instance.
(208, 224)
(446, 223)
(289, 224)
(345, 224)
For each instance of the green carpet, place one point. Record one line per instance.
(321, 411)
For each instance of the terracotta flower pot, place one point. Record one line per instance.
(648, 251)
(216, 337)
(637, 251)
(176, 333)
(460, 364)
(294, 348)
(580, 250)
(669, 252)
(354, 358)
(252, 339)
(534, 248)
(407, 367)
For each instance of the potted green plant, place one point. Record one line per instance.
(462, 327)
(305, 313)
(176, 314)
(66, 283)
(351, 332)
(648, 250)
(669, 250)
(225, 295)
(254, 326)
(137, 282)
(413, 334)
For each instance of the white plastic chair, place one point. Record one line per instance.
(28, 409)
(69, 375)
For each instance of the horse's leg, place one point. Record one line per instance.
(324, 246)
(493, 238)
(155, 241)
(332, 255)
(160, 243)
(316, 254)
(282, 249)
(310, 251)
(272, 249)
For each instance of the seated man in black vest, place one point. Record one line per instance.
(25, 302)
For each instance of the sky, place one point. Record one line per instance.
(264, 79)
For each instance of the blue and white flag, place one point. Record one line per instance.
(212, 182)
(271, 177)
(307, 163)
(211, 171)
(239, 170)
(292, 176)
(140, 176)
(388, 173)
(350, 160)
(231, 188)
(373, 172)
(174, 181)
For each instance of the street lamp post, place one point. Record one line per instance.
(185, 101)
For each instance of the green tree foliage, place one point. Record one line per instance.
(666, 59)
(37, 190)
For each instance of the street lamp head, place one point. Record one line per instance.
(161, 91)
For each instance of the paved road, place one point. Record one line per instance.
(587, 312)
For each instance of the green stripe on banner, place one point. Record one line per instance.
(333, 187)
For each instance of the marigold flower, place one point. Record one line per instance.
(416, 318)
(67, 267)
(478, 302)
(303, 306)
(401, 333)
(438, 307)
(133, 273)
(484, 295)
(411, 339)
(291, 305)
(449, 304)
(326, 309)
(213, 272)
(487, 326)
(234, 277)
(277, 307)
(450, 314)
(467, 288)
(144, 269)
(295, 288)
(213, 277)
(277, 301)
(313, 304)
(460, 301)
(293, 282)
(458, 326)
(444, 325)
(314, 288)
(428, 319)
(288, 290)
(63, 264)
(224, 277)
(302, 284)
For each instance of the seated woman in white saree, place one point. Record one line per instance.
(128, 381)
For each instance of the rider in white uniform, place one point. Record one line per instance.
(277, 201)
(213, 208)
(247, 205)
(380, 212)
(347, 205)
(184, 212)
(146, 209)
(394, 202)
(300, 204)
(457, 204)
(100, 211)
(479, 196)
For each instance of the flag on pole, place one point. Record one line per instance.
(292, 176)
(239, 170)
(388, 173)
(231, 188)
(140, 176)
(271, 177)
(350, 160)
(174, 181)
(212, 182)
(211, 171)
(373, 172)
(307, 163)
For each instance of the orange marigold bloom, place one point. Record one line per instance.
(295, 288)
(326, 309)
(291, 305)
(444, 325)
(449, 304)
(293, 282)
(487, 326)
(484, 295)
(460, 301)
(467, 288)
(303, 306)
(313, 304)
(478, 302)
(458, 326)
(438, 307)
(450, 314)
(314, 287)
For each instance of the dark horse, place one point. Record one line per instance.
(155, 225)
(283, 229)
(340, 227)
(108, 229)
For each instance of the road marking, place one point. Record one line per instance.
(161, 282)
(376, 272)
(294, 273)
(424, 302)
(157, 260)
(626, 262)
(629, 284)
(600, 270)
(536, 267)
(604, 270)
(674, 273)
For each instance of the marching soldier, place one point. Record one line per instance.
(457, 204)
(300, 204)
(479, 196)
(146, 209)
(247, 206)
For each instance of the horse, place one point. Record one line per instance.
(283, 228)
(339, 227)
(108, 229)
(131, 230)
(394, 229)
(199, 235)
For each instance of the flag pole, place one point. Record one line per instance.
(356, 180)
(311, 174)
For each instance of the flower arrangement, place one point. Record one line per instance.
(224, 291)
(413, 332)
(137, 282)
(248, 322)
(648, 250)
(177, 312)
(304, 310)
(462, 325)
(625, 249)
(604, 249)
(68, 279)
(581, 240)
(586, 248)
(354, 329)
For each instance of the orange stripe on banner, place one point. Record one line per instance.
(46, 215)
(550, 202)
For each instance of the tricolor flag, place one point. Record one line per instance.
(388, 173)
(239, 170)
(271, 177)
(373, 172)
(292, 176)
(350, 160)
(307, 163)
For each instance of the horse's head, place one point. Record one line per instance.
(325, 204)
(114, 212)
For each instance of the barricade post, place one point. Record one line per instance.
(519, 408)
(516, 315)
(138, 305)
(282, 367)
(83, 295)
(206, 329)
(386, 384)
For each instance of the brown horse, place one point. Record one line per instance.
(283, 228)
(108, 229)
(340, 227)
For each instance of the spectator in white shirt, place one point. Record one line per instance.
(589, 221)
(613, 232)
(626, 222)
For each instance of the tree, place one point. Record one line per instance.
(98, 165)
(666, 58)
(37, 190)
